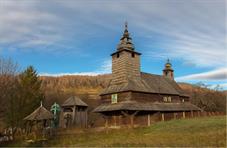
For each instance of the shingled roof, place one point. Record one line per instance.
(137, 106)
(74, 101)
(41, 113)
(147, 83)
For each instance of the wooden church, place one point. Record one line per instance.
(137, 98)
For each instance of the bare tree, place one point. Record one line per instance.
(8, 71)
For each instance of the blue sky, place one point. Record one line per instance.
(77, 37)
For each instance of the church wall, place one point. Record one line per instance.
(148, 97)
(143, 97)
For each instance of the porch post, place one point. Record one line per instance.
(148, 119)
(183, 114)
(73, 119)
(175, 115)
(132, 120)
(198, 113)
(106, 122)
(119, 119)
(115, 120)
(163, 117)
(192, 114)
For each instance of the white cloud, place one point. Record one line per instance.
(25, 26)
(105, 68)
(214, 75)
(222, 86)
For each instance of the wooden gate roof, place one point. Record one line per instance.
(74, 101)
(41, 113)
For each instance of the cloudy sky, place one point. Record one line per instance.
(77, 37)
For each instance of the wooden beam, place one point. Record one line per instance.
(135, 113)
(124, 113)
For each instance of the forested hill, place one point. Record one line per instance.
(88, 88)
(77, 85)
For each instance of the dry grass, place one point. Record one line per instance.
(197, 132)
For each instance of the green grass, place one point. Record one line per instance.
(197, 132)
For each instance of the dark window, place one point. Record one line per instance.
(133, 55)
(118, 55)
(68, 110)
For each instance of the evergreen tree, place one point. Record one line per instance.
(27, 97)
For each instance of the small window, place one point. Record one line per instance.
(118, 55)
(165, 99)
(114, 98)
(169, 99)
(133, 55)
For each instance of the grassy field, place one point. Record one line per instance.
(197, 132)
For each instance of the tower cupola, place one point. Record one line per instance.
(126, 40)
(168, 71)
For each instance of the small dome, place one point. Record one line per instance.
(168, 65)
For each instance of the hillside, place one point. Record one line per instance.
(196, 132)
